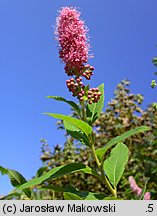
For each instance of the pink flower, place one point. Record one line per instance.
(71, 34)
(136, 189)
(147, 196)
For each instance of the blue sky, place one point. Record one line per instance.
(123, 36)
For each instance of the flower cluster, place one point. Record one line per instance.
(72, 39)
(87, 71)
(74, 51)
(93, 95)
(136, 189)
(76, 86)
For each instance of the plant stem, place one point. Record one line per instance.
(95, 156)
(113, 191)
(100, 167)
(83, 111)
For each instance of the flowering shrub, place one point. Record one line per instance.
(74, 52)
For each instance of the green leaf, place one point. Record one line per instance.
(17, 179)
(58, 172)
(76, 133)
(71, 189)
(101, 151)
(93, 196)
(93, 110)
(155, 61)
(11, 195)
(84, 127)
(52, 187)
(71, 196)
(85, 195)
(71, 193)
(40, 171)
(114, 166)
(71, 103)
(3, 170)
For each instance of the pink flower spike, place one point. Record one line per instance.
(135, 188)
(71, 34)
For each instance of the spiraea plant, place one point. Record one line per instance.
(74, 47)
